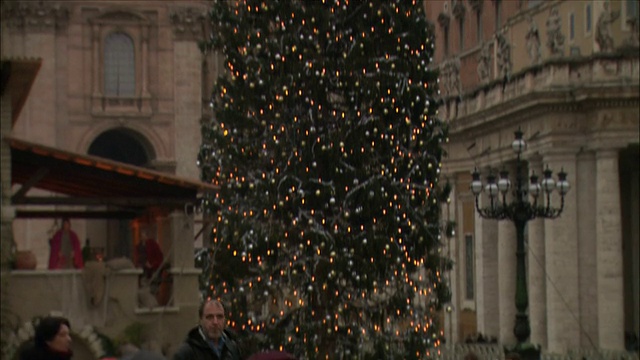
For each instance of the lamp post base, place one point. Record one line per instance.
(522, 351)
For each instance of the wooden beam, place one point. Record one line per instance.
(34, 179)
(48, 214)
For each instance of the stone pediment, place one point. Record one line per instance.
(115, 15)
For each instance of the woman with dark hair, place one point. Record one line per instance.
(52, 341)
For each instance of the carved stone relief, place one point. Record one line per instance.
(484, 63)
(555, 38)
(188, 23)
(533, 42)
(444, 20)
(450, 77)
(458, 10)
(476, 5)
(633, 40)
(617, 119)
(35, 15)
(503, 55)
(603, 28)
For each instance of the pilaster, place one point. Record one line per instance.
(561, 252)
(185, 275)
(37, 23)
(188, 23)
(96, 104)
(188, 28)
(35, 16)
(187, 105)
(463, 247)
(609, 279)
(181, 236)
(38, 122)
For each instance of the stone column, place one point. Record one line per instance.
(561, 256)
(185, 274)
(487, 300)
(536, 279)
(586, 211)
(609, 281)
(96, 89)
(188, 30)
(629, 198)
(507, 279)
(181, 240)
(145, 97)
(144, 54)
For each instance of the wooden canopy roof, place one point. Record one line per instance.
(93, 181)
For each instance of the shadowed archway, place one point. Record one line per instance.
(123, 145)
(130, 147)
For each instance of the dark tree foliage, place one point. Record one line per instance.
(326, 147)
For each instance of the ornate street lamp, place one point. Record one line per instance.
(528, 202)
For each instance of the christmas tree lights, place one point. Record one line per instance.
(326, 147)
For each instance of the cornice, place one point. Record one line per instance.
(600, 83)
(444, 19)
(120, 15)
(538, 104)
(37, 16)
(572, 62)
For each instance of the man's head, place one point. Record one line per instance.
(212, 318)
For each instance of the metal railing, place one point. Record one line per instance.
(591, 354)
(482, 351)
(496, 352)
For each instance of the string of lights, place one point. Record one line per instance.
(326, 146)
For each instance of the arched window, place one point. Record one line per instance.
(479, 29)
(119, 65)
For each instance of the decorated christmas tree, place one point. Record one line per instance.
(325, 143)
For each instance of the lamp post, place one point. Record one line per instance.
(529, 201)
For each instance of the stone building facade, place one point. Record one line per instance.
(124, 80)
(566, 73)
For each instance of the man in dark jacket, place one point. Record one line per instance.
(209, 340)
